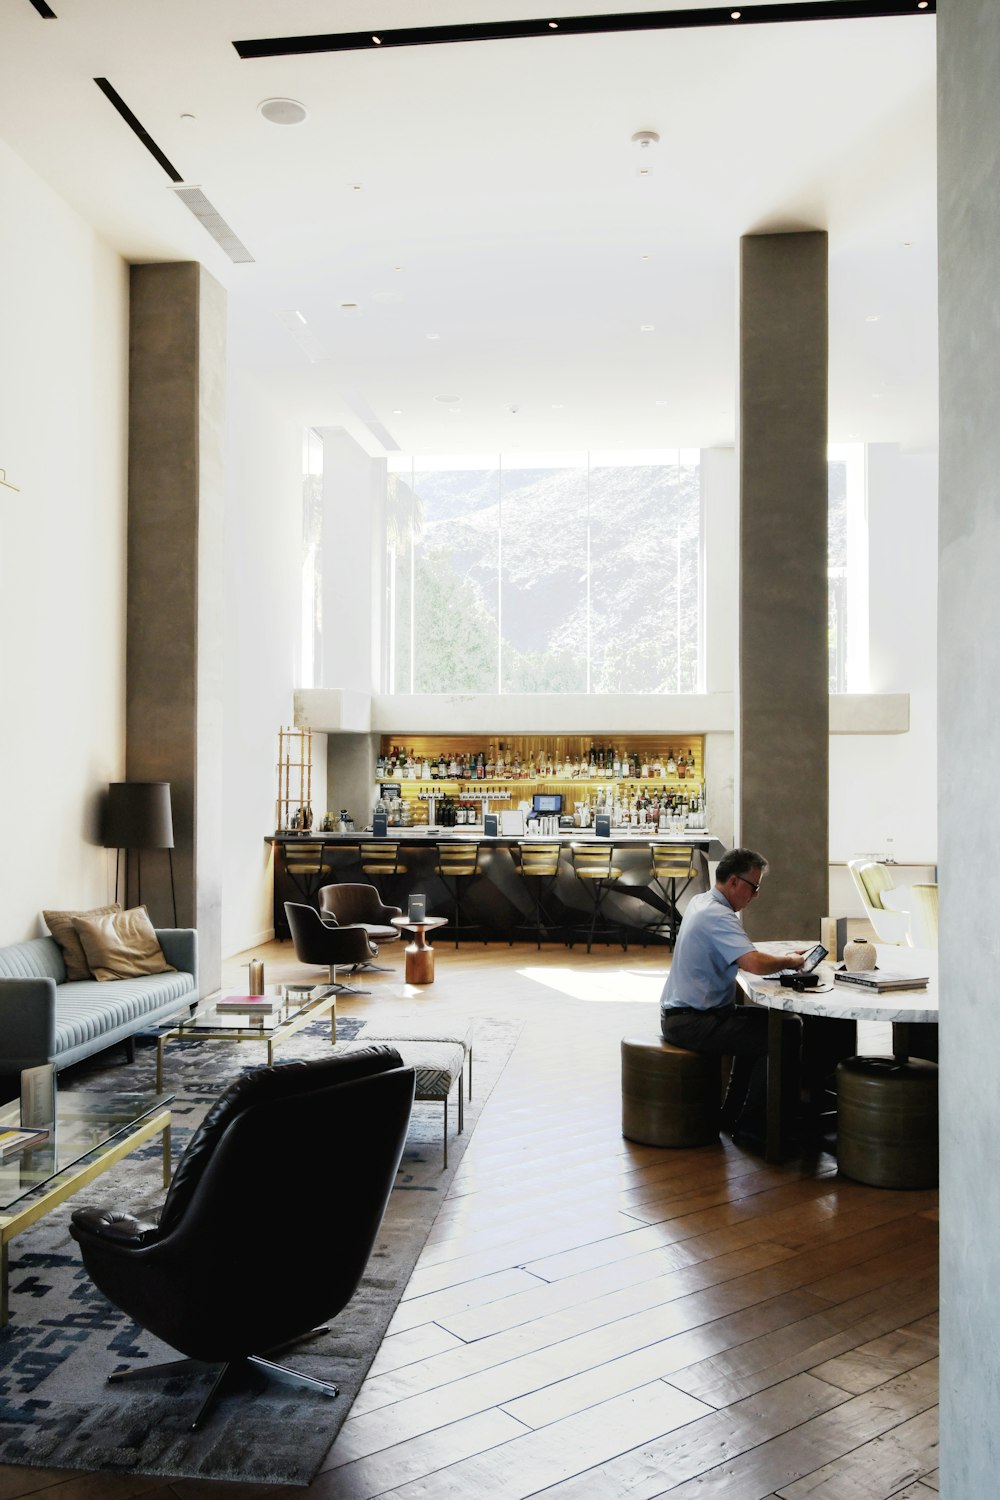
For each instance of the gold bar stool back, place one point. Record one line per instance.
(380, 861)
(307, 866)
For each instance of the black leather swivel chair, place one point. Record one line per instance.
(199, 1279)
(317, 942)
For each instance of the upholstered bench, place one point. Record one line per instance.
(438, 1066)
(418, 1030)
(670, 1097)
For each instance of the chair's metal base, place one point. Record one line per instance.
(372, 968)
(344, 989)
(233, 1375)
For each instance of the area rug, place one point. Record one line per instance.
(65, 1338)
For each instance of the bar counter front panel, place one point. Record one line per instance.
(500, 901)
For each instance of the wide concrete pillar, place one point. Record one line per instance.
(968, 694)
(175, 567)
(783, 755)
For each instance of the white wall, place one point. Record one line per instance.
(882, 787)
(263, 549)
(63, 393)
(353, 501)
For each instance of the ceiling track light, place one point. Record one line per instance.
(776, 12)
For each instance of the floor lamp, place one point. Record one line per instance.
(138, 817)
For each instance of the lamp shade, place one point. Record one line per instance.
(138, 816)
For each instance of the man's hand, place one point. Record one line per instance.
(755, 962)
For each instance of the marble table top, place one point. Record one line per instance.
(842, 1002)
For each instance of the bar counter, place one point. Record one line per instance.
(498, 901)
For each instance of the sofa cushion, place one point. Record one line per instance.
(91, 1008)
(121, 944)
(60, 924)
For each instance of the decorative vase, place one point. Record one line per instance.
(256, 976)
(859, 956)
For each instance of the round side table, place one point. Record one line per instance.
(419, 953)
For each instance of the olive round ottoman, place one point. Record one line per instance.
(887, 1122)
(669, 1097)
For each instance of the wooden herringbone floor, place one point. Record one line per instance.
(592, 1320)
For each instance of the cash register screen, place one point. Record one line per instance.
(547, 803)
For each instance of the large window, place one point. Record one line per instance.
(528, 573)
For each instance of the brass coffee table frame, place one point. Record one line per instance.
(69, 1181)
(286, 1026)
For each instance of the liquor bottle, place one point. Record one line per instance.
(616, 766)
(592, 760)
(671, 764)
(517, 763)
(480, 767)
(491, 767)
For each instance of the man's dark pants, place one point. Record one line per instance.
(740, 1032)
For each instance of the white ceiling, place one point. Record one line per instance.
(489, 193)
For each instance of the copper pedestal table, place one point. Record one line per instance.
(419, 953)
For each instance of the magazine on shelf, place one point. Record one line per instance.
(14, 1141)
(881, 979)
(250, 1005)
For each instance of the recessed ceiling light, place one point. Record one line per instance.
(735, 14)
(187, 116)
(356, 186)
(644, 257)
(558, 406)
(432, 335)
(872, 318)
(397, 411)
(553, 25)
(647, 327)
(661, 403)
(282, 111)
(377, 40)
(447, 400)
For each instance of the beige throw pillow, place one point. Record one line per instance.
(121, 945)
(60, 924)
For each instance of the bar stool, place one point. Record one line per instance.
(593, 867)
(457, 868)
(671, 863)
(538, 866)
(307, 867)
(381, 863)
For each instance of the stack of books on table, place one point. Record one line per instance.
(880, 979)
(249, 1005)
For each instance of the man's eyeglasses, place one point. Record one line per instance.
(753, 884)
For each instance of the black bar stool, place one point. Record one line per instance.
(593, 866)
(538, 865)
(458, 868)
(381, 863)
(671, 864)
(308, 867)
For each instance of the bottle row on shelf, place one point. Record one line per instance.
(660, 810)
(498, 763)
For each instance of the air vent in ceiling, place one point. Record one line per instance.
(208, 215)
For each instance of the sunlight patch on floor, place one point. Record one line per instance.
(623, 985)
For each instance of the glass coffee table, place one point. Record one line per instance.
(93, 1131)
(295, 1005)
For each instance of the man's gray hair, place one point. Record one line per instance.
(739, 862)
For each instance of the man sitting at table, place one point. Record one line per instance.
(698, 1008)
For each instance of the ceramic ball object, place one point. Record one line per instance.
(859, 956)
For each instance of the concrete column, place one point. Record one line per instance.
(783, 719)
(968, 694)
(175, 566)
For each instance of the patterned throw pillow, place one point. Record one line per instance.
(60, 924)
(122, 944)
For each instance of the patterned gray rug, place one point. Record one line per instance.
(65, 1338)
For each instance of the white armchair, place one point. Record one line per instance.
(882, 902)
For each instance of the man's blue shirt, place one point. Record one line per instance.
(709, 946)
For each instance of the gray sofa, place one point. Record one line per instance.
(44, 1019)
